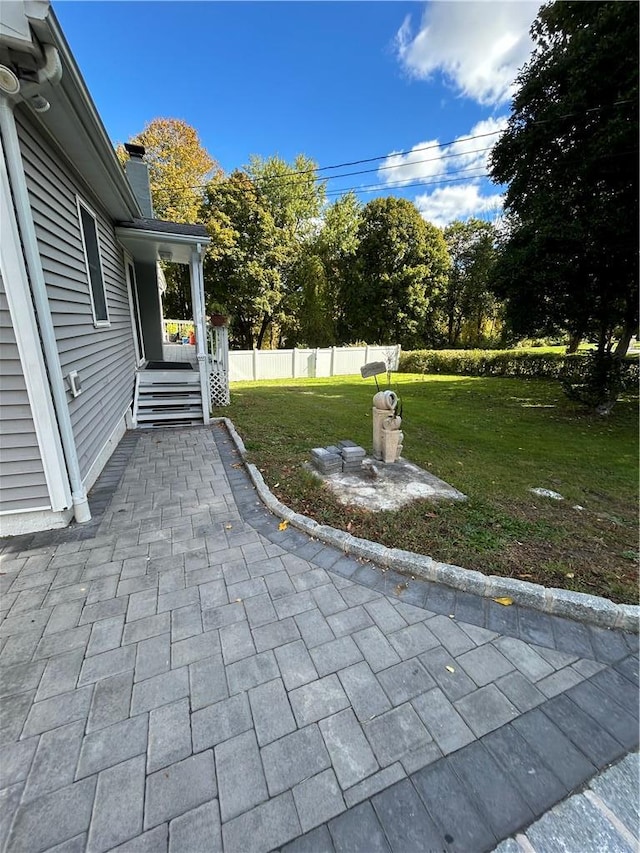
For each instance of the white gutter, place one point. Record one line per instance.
(22, 207)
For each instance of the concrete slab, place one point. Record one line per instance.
(380, 486)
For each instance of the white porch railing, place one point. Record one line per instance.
(293, 363)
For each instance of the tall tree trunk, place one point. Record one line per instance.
(625, 339)
(574, 343)
(457, 331)
(263, 328)
(450, 325)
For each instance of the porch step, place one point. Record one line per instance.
(162, 400)
(167, 398)
(174, 417)
(166, 387)
(169, 377)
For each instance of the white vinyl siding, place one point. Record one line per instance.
(105, 356)
(22, 481)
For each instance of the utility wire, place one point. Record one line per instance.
(294, 174)
(398, 165)
(444, 144)
(359, 171)
(445, 179)
(400, 185)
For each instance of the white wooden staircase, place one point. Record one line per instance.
(166, 398)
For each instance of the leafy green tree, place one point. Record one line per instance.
(400, 269)
(314, 303)
(294, 197)
(337, 245)
(293, 192)
(242, 267)
(311, 321)
(569, 158)
(468, 300)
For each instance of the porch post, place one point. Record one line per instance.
(197, 301)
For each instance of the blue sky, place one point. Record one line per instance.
(337, 81)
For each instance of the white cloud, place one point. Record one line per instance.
(430, 160)
(445, 204)
(475, 147)
(424, 161)
(478, 46)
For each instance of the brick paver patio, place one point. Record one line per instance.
(182, 675)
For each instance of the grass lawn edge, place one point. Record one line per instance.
(583, 607)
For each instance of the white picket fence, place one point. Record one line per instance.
(298, 363)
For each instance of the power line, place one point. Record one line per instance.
(294, 174)
(403, 165)
(394, 154)
(358, 172)
(444, 180)
(402, 185)
(443, 144)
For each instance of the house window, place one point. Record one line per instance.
(91, 246)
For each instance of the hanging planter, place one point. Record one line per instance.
(218, 319)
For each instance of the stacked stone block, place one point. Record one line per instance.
(352, 458)
(345, 456)
(326, 462)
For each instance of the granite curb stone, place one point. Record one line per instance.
(582, 607)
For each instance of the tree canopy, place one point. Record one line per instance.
(179, 167)
(399, 270)
(569, 157)
(243, 264)
(468, 300)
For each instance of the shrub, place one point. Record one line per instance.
(575, 369)
(598, 383)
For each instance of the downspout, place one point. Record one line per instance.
(22, 207)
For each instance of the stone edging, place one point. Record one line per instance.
(592, 609)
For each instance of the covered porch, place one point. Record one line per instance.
(175, 384)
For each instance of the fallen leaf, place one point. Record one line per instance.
(228, 526)
(283, 525)
(570, 575)
(350, 526)
(237, 465)
(449, 669)
(504, 600)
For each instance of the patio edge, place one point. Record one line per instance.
(592, 609)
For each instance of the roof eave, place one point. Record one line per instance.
(74, 122)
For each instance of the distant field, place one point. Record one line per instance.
(491, 438)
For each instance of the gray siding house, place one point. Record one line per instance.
(80, 310)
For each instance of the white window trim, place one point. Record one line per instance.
(99, 324)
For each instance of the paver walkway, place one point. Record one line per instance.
(184, 675)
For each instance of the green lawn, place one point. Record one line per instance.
(491, 438)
